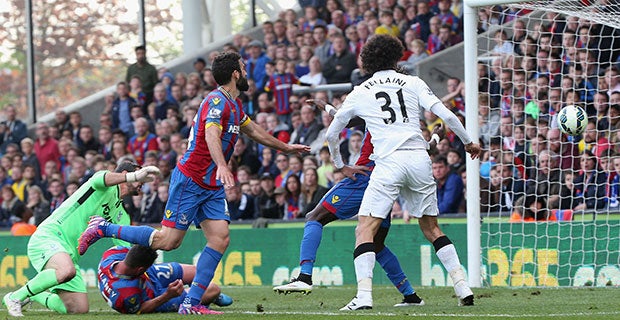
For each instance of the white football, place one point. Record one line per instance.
(572, 120)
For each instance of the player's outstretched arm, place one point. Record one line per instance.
(174, 289)
(145, 174)
(258, 134)
(457, 127)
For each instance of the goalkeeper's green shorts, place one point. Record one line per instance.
(44, 245)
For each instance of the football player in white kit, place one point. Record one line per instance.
(389, 102)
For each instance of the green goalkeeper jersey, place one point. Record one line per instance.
(93, 198)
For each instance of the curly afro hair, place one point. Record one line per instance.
(381, 52)
(224, 65)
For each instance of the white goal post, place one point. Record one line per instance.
(602, 12)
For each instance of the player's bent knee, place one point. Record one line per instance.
(65, 274)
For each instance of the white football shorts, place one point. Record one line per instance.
(405, 172)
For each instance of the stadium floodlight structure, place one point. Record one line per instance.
(585, 251)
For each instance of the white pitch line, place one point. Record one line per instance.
(366, 313)
(388, 314)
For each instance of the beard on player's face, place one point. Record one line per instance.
(242, 84)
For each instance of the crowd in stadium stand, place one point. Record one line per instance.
(534, 72)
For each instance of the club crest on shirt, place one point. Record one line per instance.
(183, 220)
(335, 199)
(214, 113)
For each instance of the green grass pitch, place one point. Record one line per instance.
(324, 302)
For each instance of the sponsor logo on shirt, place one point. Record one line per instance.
(168, 214)
(216, 101)
(233, 129)
(214, 113)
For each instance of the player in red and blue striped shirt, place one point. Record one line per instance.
(131, 283)
(197, 184)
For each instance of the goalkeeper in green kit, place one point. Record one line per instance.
(52, 249)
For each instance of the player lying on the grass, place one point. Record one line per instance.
(131, 283)
(52, 249)
(342, 202)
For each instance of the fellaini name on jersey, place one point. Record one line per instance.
(371, 82)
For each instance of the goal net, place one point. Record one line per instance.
(549, 202)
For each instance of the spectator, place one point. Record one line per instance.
(153, 204)
(449, 186)
(61, 120)
(22, 227)
(420, 23)
(57, 194)
(30, 157)
(240, 205)
(119, 150)
(208, 81)
(314, 76)
(281, 86)
(79, 171)
(311, 19)
(612, 80)
(590, 184)
(199, 64)
(161, 102)
(105, 142)
(12, 130)
(503, 46)
(323, 45)
(362, 32)
(489, 120)
(387, 24)
(86, 140)
(267, 163)
(303, 65)
(245, 156)
(311, 191)
(295, 163)
(142, 141)
(266, 202)
(255, 66)
(75, 123)
(20, 184)
(135, 90)
(325, 172)
(443, 40)
(309, 129)
(293, 201)
(38, 205)
(7, 208)
(121, 108)
(282, 164)
(338, 67)
(354, 147)
(418, 53)
(278, 129)
(144, 70)
(594, 138)
(447, 17)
